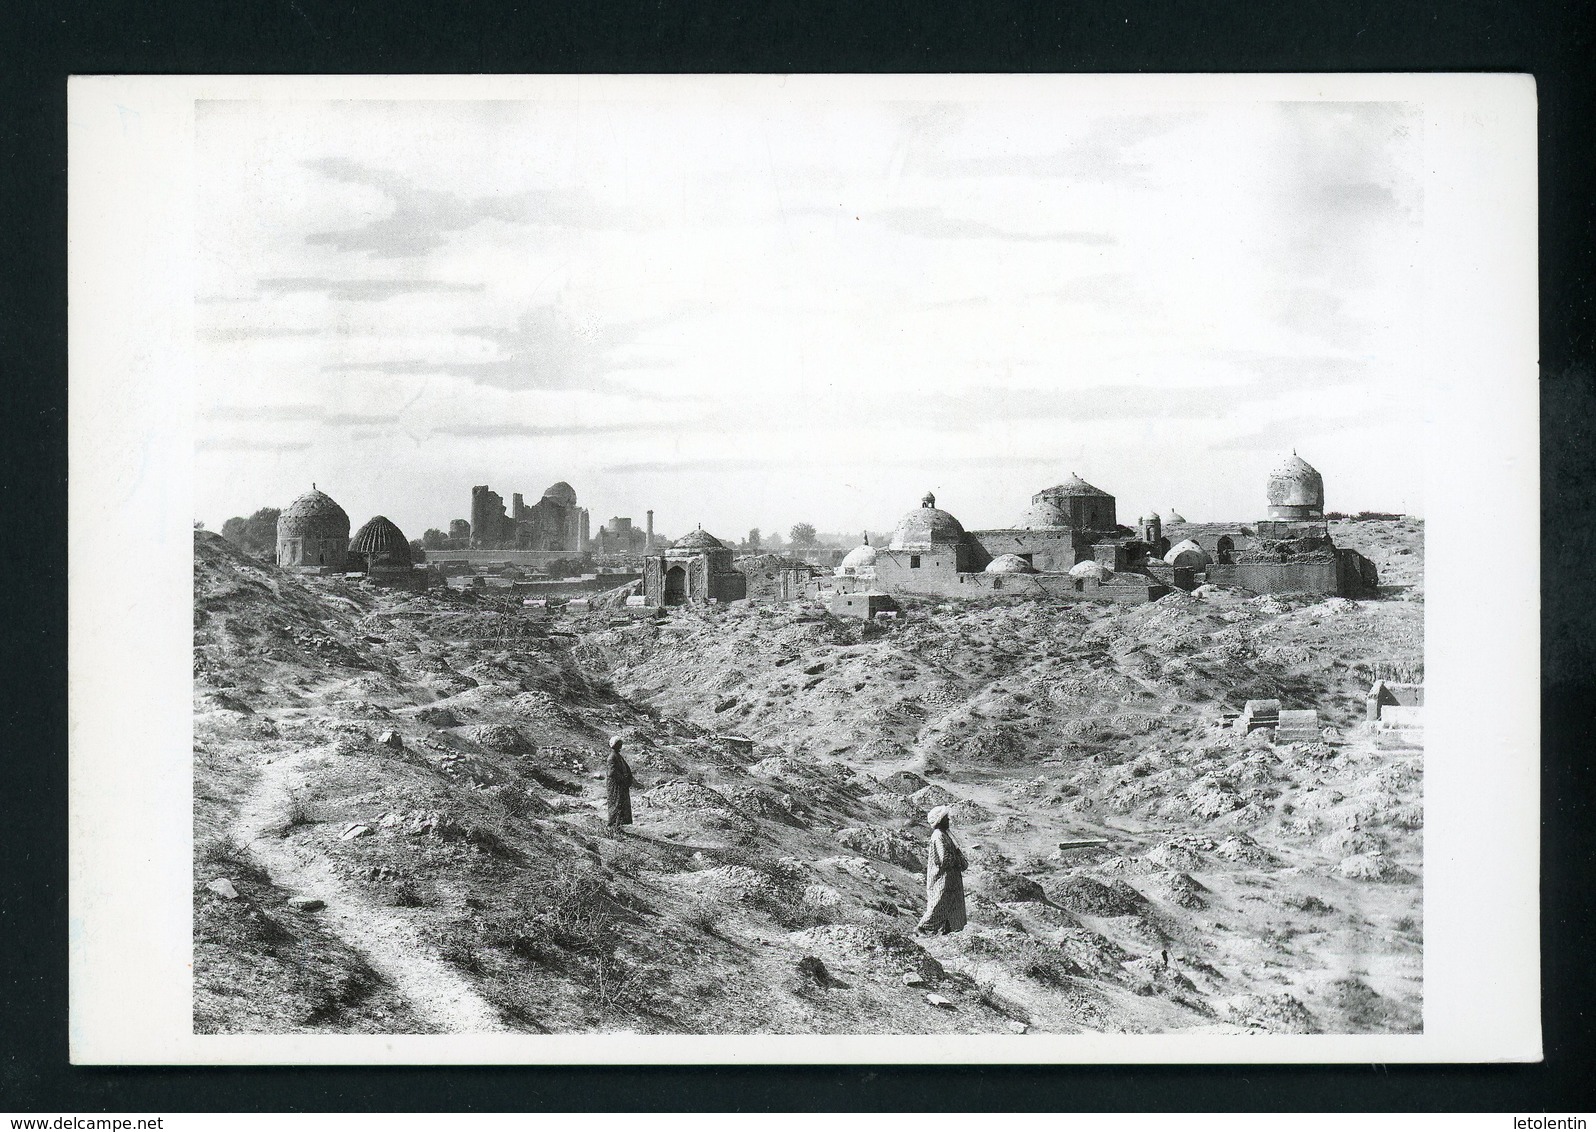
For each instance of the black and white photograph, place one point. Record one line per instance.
(875, 558)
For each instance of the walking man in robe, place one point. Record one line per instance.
(618, 788)
(944, 879)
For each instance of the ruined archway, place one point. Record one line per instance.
(675, 586)
(1224, 548)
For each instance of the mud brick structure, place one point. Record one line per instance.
(696, 570)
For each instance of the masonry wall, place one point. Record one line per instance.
(1315, 576)
(937, 577)
(1048, 551)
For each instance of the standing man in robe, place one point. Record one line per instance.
(618, 788)
(944, 879)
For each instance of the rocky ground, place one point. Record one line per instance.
(398, 813)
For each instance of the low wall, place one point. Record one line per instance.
(499, 557)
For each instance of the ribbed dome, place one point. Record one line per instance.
(1071, 487)
(1150, 517)
(383, 543)
(925, 526)
(698, 540)
(1043, 514)
(1091, 569)
(859, 558)
(562, 493)
(1187, 553)
(1296, 483)
(1009, 564)
(313, 515)
(1174, 516)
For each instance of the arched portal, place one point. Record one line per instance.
(675, 586)
(1224, 548)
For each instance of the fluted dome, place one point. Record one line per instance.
(382, 542)
(1187, 553)
(1043, 514)
(313, 515)
(562, 493)
(1009, 564)
(1091, 569)
(698, 540)
(1174, 516)
(859, 558)
(1296, 490)
(1151, 517)
(925, 526)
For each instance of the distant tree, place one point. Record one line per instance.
(773, 541)
(802, 534)
(434, 539)
(418, 551)
(753, 539)
(255, 535)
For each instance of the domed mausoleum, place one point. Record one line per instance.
(1296, 490)
(860, 561)
(313, 533)
(695, 570)
(382, 545)
(925, 527)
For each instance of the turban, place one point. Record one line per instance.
(937, 816)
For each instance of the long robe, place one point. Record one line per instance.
(618, 790)
(944, 885)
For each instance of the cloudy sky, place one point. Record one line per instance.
(758, 312)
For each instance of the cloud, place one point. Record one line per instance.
(359, 290)
(252, 333)
(1103, 402)
(531, 432)
(1104, 153)
(547, 348)
(1284, 433)
(226, 444)
(935, 223)
(299, 412)
(423, 219)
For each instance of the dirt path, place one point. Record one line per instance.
(389, 942)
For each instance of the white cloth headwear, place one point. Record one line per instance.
(937, 816)
(615, 743)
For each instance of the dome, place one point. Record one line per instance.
(1043, 514)
(698, 540)
(383, 543)
(926, 525)
(1091, 569)
(562, 493)
(1009, 564)
(859, 558)
(1071, 487)
(1296, 484)
(1174, 516)
(1187, 553)
(1150, 517)
(313, 515)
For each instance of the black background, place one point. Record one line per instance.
(43, 41)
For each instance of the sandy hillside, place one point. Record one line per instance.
(458, 877)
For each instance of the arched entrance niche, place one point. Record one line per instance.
(675, 586)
